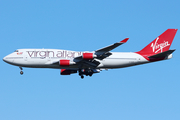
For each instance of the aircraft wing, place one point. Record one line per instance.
(110, 47)
(103, 52)
(91, 59)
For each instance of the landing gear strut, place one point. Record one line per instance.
(21, 72)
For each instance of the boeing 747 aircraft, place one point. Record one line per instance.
(88, 63)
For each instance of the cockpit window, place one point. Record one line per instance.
(16, 51)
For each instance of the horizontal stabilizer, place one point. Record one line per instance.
(163, 54)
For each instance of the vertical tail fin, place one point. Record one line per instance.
(161, 43)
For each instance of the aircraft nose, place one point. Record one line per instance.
(5, 59)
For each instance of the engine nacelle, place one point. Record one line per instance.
(65, 63)
(88, 56)
(67, 72)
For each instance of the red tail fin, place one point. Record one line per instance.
(161, 43)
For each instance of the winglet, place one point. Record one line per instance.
(125, 40)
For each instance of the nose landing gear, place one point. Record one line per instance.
(21, 72)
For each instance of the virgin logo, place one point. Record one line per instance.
(156, 47)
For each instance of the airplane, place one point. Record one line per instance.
(88, 63)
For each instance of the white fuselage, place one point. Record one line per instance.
(44, 58)
(88, 63)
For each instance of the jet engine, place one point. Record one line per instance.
(65, 63)
(88, 56)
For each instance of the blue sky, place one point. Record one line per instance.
(145, 92)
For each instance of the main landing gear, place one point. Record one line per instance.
(82, 77)
(87, 72)
(21, 72)
(81, 73)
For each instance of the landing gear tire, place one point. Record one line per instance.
(82, 77)
(21, 72)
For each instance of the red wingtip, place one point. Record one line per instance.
(125, 40)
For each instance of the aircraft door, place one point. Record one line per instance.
(25, 57)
